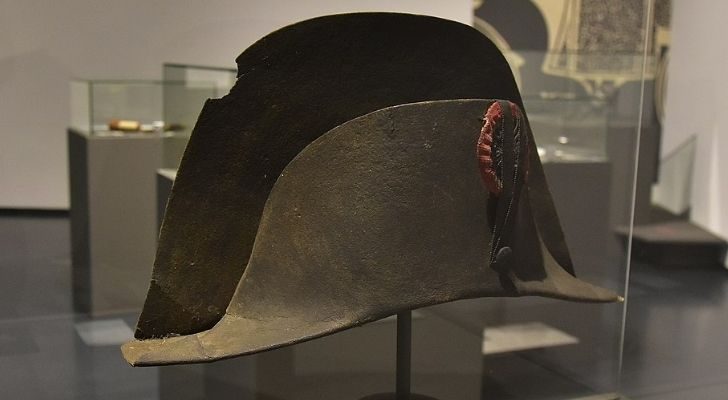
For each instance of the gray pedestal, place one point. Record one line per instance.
(113, 219)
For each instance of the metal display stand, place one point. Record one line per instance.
(404, 363)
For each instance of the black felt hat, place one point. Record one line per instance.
(343, 180)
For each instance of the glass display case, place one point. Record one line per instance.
(133, 107)
(582, 68)
(586, 127)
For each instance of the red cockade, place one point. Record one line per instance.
(488, 161)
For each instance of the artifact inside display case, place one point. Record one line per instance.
(125, 125)
(356, 170)
(124, 107)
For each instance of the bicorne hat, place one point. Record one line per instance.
(357, 169)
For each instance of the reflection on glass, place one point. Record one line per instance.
(568, 128)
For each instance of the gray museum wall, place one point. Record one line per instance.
(697, 99)
(43, 44)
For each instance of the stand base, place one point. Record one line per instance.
(393, 396)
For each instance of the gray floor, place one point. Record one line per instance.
(674, 345)
(41, 354)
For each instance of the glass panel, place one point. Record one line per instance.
(569, 129)
(581, 78)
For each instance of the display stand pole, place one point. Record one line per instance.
(404, 363)
(404, 354)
